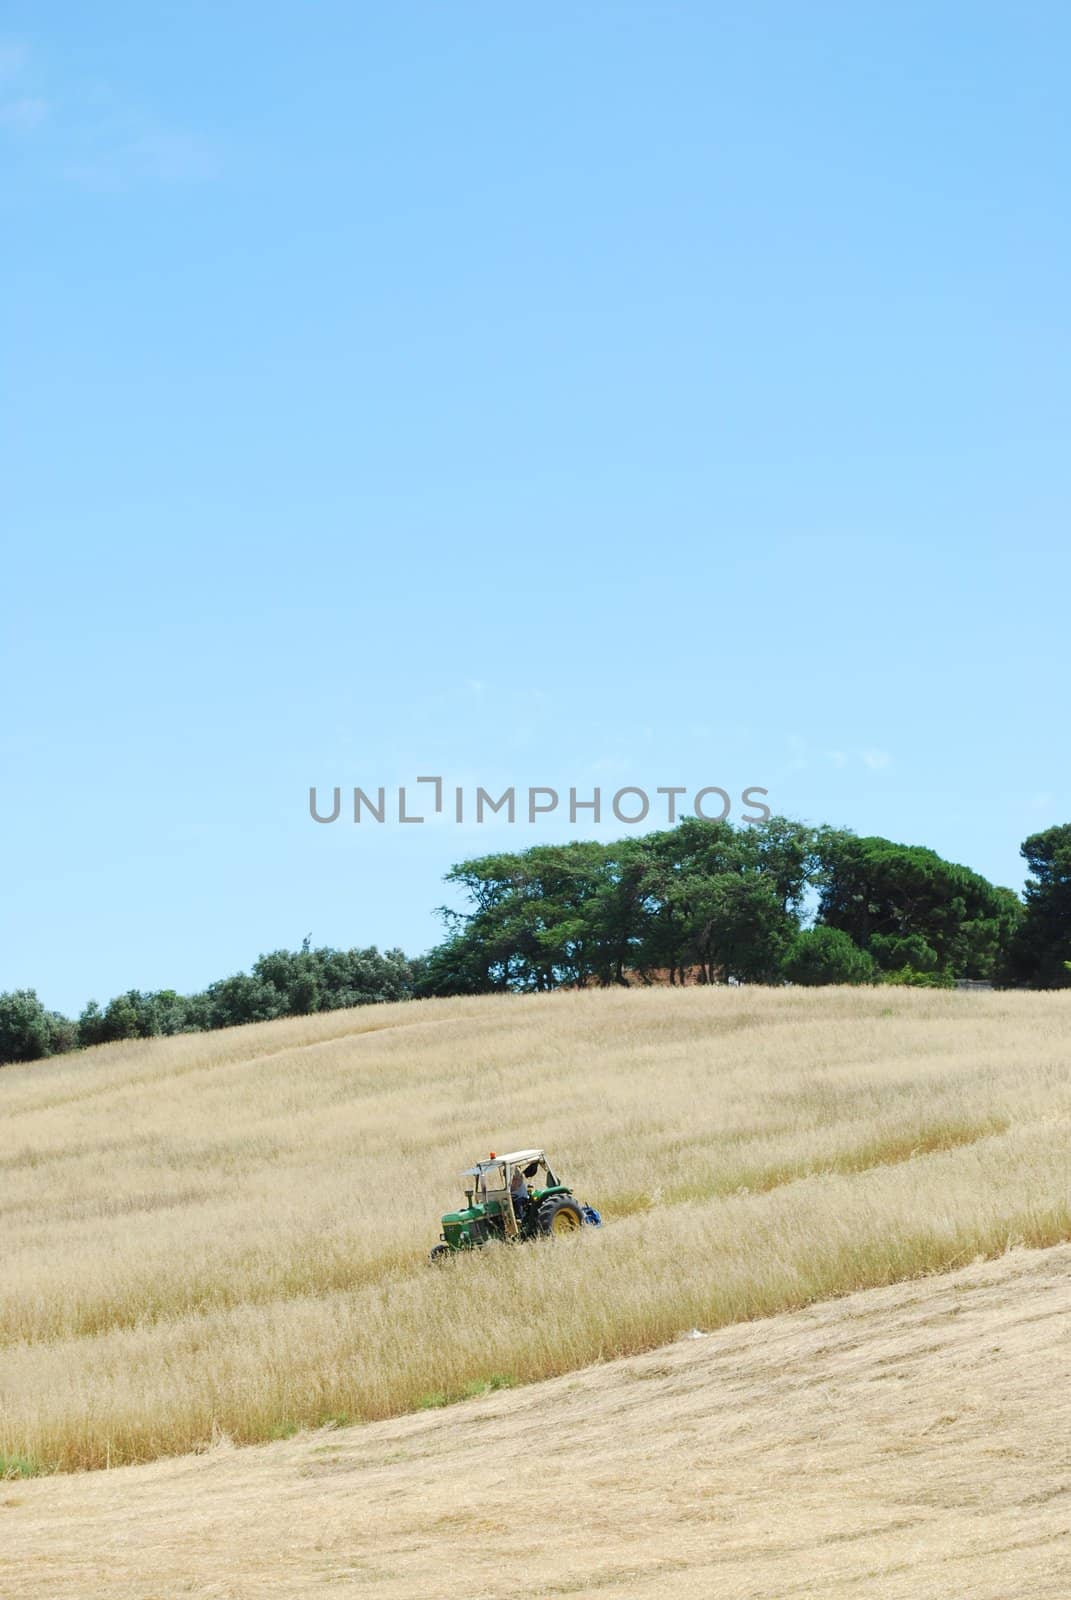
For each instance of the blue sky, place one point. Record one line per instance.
(574, 394)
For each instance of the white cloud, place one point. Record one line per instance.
(172, 157)
(155, 157)
(99, 177)
(24, 114)
(802, 756)
(98, 142)
(12, 58)
(798, 752)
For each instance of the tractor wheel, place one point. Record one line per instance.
(559, 1215)
(440, 1253)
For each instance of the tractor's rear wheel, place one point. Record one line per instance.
(559, 1215)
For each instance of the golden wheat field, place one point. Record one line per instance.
(223, 1236)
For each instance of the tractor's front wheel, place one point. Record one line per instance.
(559, 1215)
(440, 1253)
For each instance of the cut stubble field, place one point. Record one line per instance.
(222, 1238)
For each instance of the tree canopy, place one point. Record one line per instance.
(1039, 952)
(707, 902)
(703, 902)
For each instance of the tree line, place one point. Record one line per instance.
(769, 902)
(708, 902)
(285, 983)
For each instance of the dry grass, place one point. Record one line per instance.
(905, 1443)
(224, 1236)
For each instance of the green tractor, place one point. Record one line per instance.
(511, 1198)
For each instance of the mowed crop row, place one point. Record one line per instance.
(226, 1234)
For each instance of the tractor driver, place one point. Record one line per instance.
(518, 1193)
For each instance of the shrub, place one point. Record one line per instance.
(920, 980)
(27, 1030)
(824, 956)
(892, 953)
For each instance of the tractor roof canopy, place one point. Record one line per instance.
(515, 1158)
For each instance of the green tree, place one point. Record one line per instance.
(722, 900)
(308, 980)
(617, 912)
(27, 1030)
(826, 956)
(457, 966)
(1039, 948)
(700, 896)
(132, 1015)
(295, 978)
(877, 891)
(893, 952)
(737, 928)
(233, 1001)
(172, 1011)
(361, 977)
(535, 917)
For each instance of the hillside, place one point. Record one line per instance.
(907, 1443)
(225, 1235)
